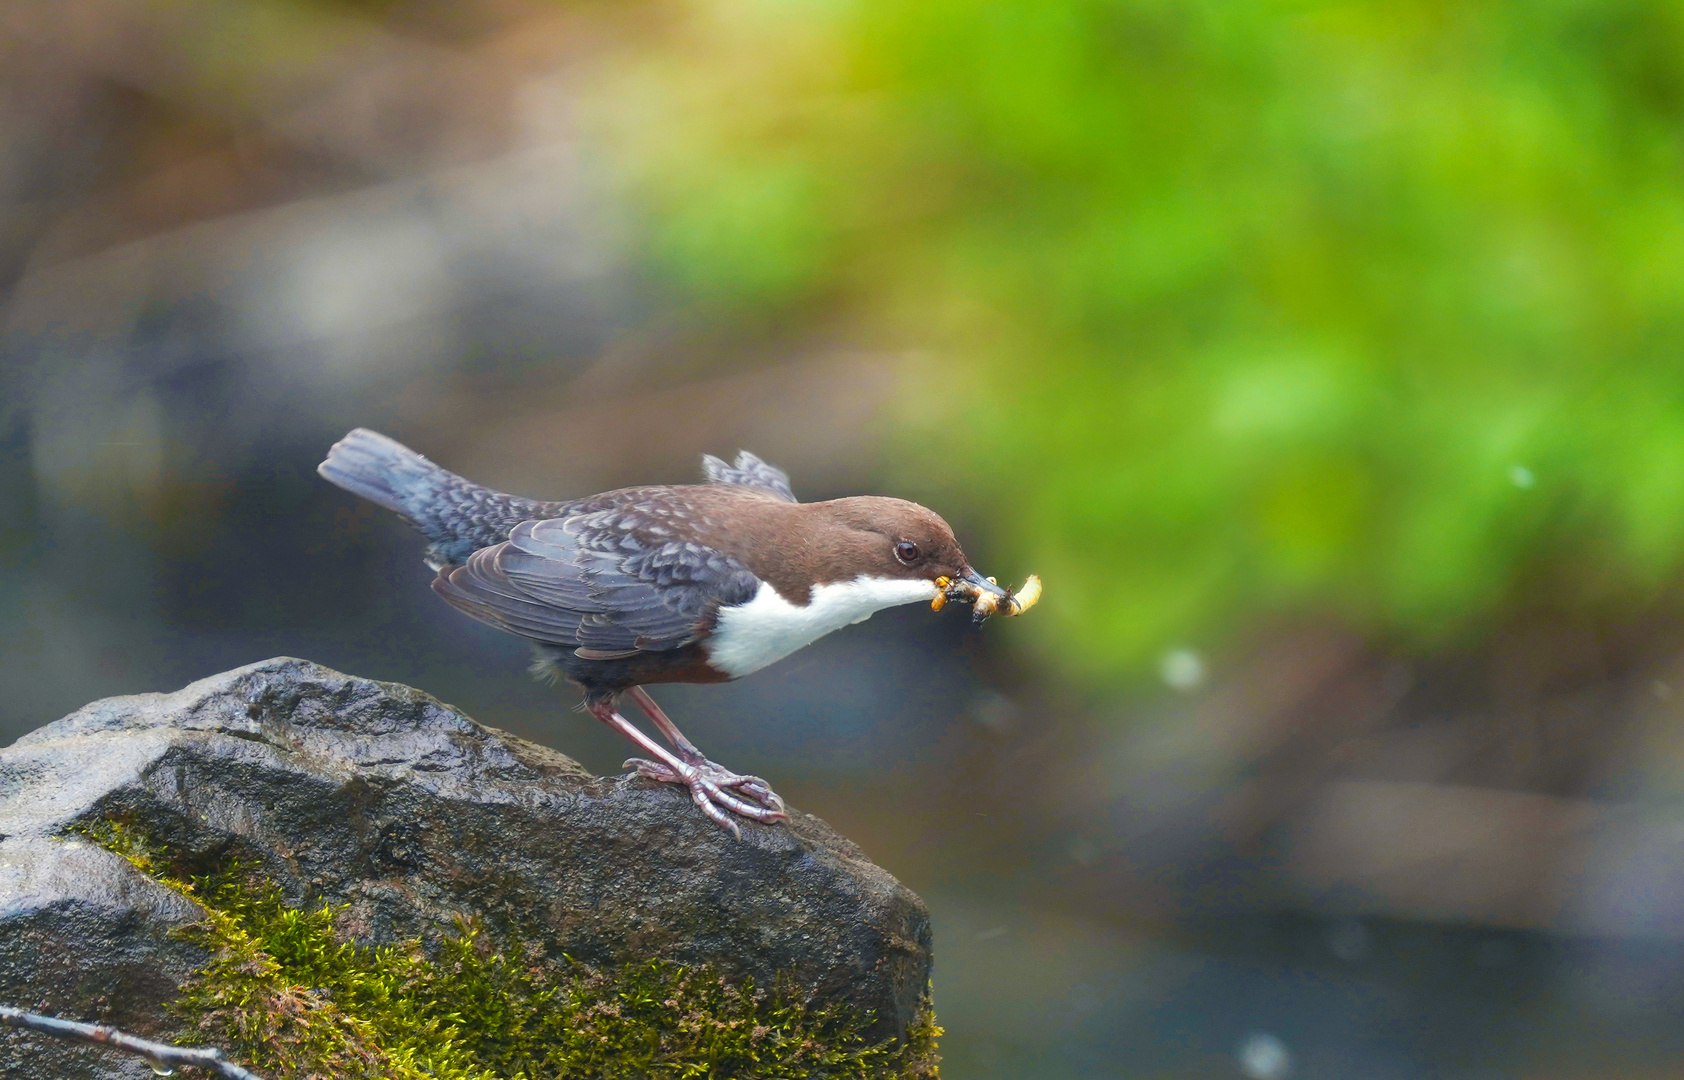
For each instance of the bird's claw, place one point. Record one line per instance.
(711, 784)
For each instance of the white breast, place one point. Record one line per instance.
(768, 627)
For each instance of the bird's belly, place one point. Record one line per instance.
(749, 636)
(687, 665)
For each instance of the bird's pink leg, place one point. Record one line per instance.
(752, 786)
(707, 792)
(686, 749)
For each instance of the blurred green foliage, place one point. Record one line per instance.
(1234, 308)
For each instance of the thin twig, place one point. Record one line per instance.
(159, 1053)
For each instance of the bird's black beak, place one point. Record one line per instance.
(981, 585)
(986, 595)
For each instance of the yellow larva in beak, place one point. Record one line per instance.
(1025, 598)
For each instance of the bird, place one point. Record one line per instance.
(693, 583)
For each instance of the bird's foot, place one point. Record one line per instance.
(711, 786)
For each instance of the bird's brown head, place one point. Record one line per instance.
(893, 538)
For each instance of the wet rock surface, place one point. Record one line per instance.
(374, 795)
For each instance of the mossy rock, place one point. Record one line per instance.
(285, 992)
(441, 864)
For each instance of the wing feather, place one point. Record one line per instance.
(749, 471)
(605, 583)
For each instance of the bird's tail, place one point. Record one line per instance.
(387, 473)
(458, 516)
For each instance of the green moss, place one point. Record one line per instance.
(286, 994)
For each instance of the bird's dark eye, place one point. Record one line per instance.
(907, 552)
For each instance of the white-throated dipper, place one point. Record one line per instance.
(687, 583)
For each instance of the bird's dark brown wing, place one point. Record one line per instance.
(606, 584)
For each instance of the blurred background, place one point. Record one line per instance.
(1325, 359)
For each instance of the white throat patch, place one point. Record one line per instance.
(768, 627)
